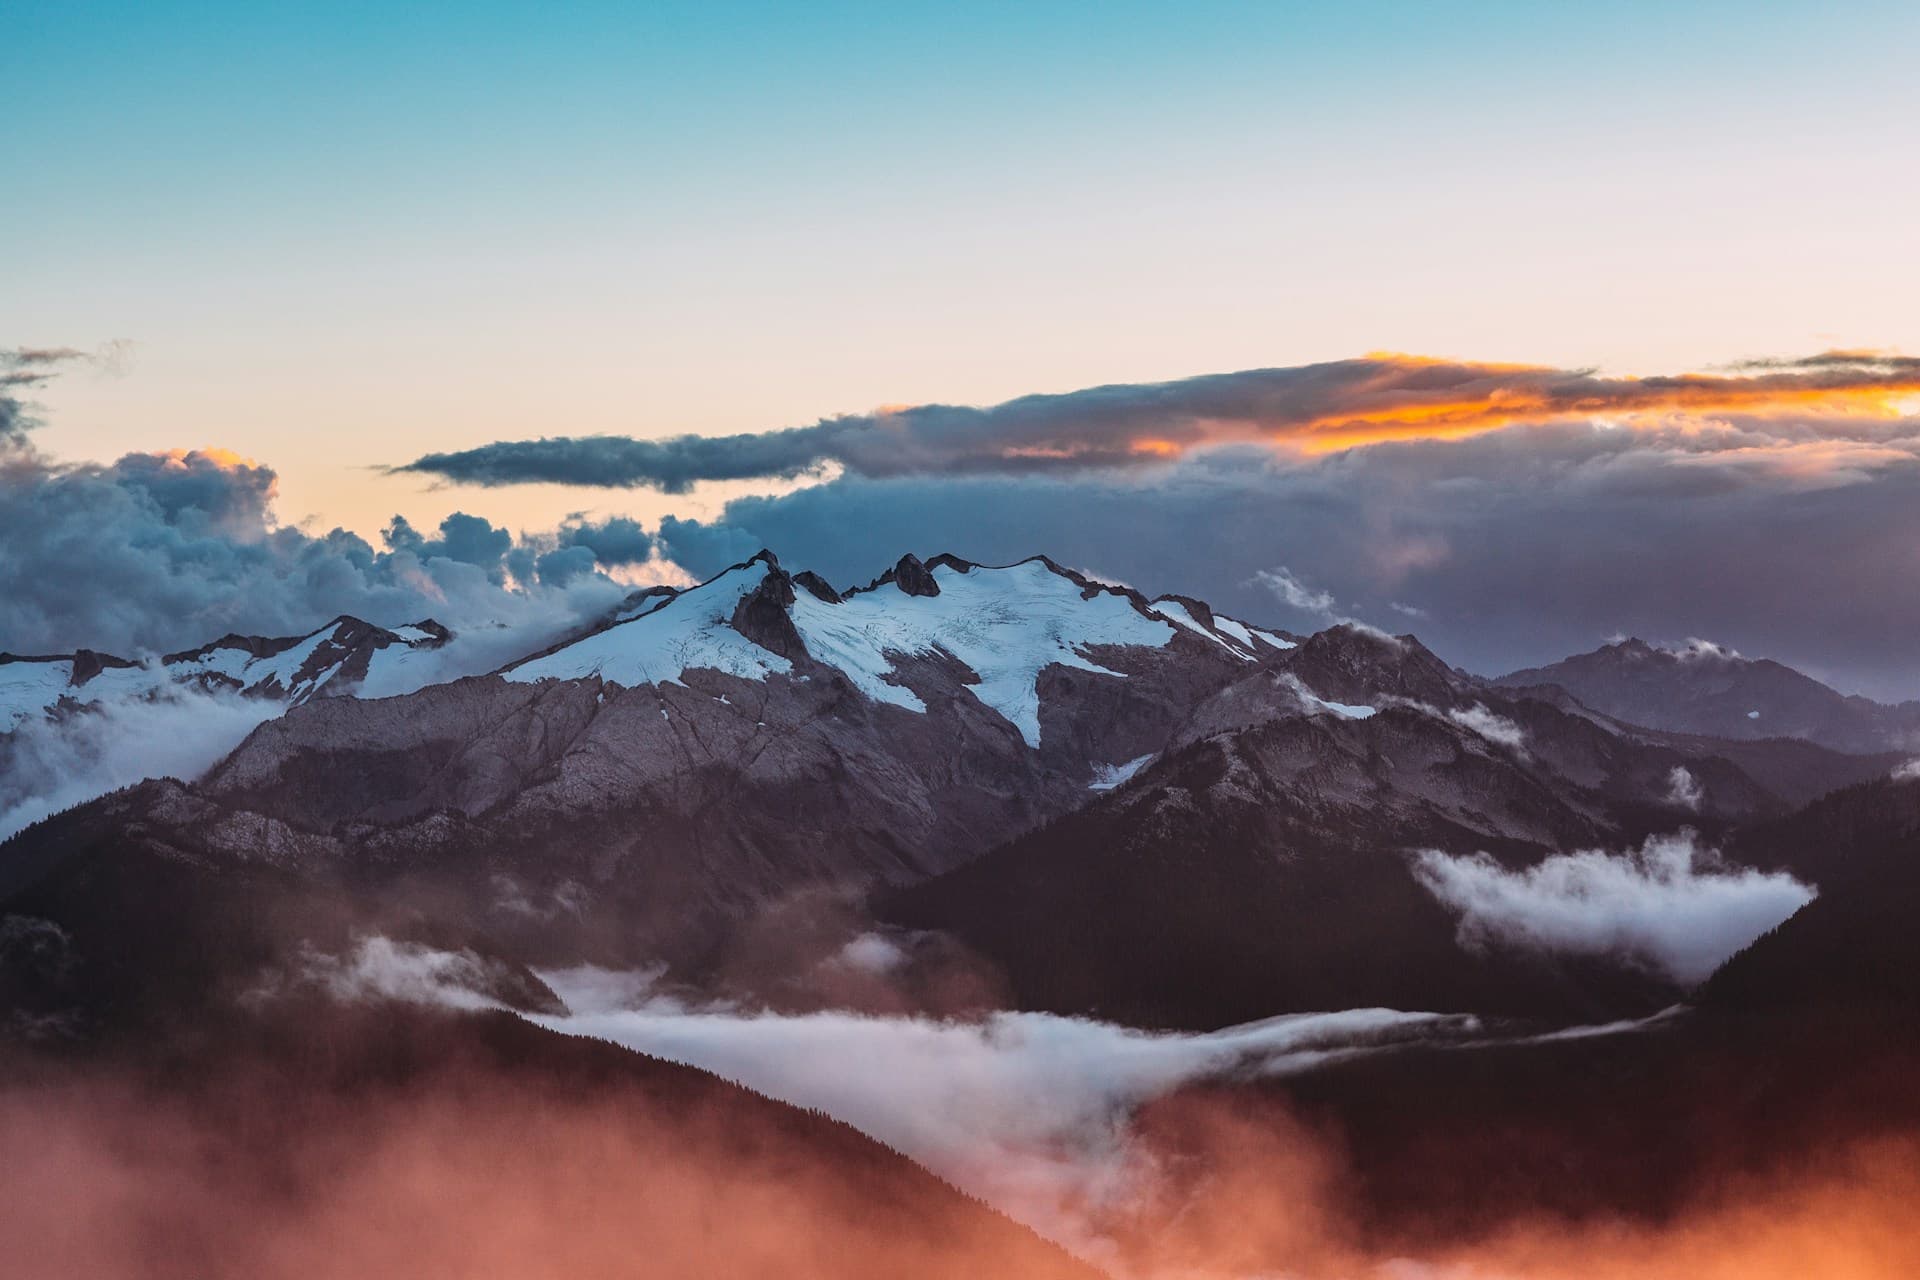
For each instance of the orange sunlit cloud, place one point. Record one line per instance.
(1308, 409)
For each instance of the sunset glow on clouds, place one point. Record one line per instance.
(1822, 410)
(1518, 512)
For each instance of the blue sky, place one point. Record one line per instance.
(448, 223)
(343, 236)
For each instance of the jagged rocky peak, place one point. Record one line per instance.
(1198, 610)
(763, 614)
(432, 634)
(816, 586)
(331, 661)
(1003, 625)
(913, 577)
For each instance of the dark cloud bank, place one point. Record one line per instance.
(1502, 551)
(1507, 514)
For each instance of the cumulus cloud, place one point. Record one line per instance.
(1908, 771)
(158, 552)
(1670, 905)
(1314, 407)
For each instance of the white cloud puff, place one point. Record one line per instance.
(1667, 905)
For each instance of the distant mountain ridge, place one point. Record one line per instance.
(1705, 689)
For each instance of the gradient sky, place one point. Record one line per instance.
(345, 235)
(524, 251)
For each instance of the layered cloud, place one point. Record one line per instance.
(1517, 513)
(1506, 550)
(1773, 506)
(1312, 408)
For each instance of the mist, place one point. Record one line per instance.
(1029, 1111)
(51, 765)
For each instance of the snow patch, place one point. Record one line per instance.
(1106, 777)
(689, 630)
(1178, 614)
(1007, 625)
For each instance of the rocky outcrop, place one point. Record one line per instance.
(762, 616)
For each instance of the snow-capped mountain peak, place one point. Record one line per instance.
(1006, 624)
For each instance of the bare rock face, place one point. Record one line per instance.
(818, 586)
(87, 664)
(914, 578)
(762, 616)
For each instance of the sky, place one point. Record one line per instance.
(337, 240)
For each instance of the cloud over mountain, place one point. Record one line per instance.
(1563, 508)
(161, 550)
(1667, 904)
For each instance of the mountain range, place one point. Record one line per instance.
(964, 788)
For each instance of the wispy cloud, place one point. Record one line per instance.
(1295, 594)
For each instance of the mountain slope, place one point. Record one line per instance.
(315, 1140)
(1265, 864)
